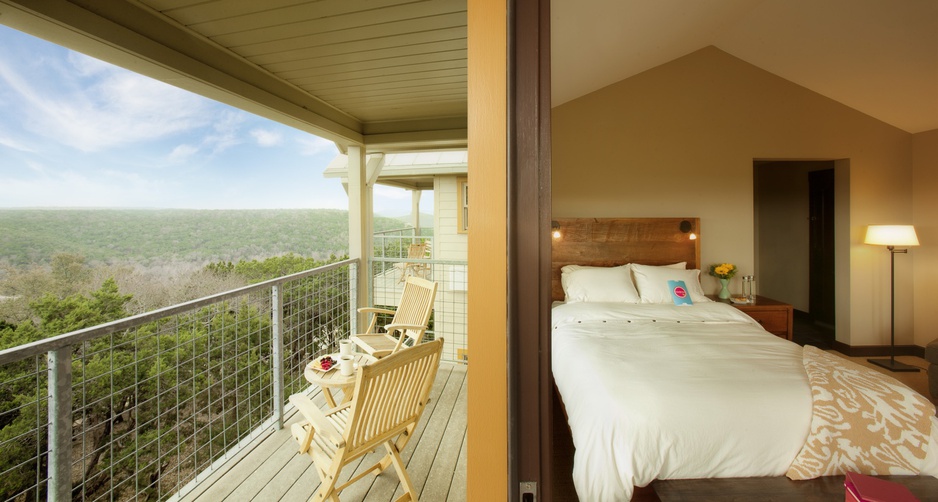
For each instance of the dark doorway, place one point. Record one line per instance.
(795, 234)
(821, 247)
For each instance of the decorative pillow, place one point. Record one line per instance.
(652, 283)
(598, 284)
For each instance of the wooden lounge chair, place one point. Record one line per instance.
(413, 269)
(389, 397)
(409, 322)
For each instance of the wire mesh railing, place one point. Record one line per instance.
(448, 319)
(397, 244)
(137, 408)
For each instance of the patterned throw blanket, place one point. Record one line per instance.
(863, 421)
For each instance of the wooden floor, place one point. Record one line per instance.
(271, 468)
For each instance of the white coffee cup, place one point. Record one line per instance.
(345, 348)
(346, 365)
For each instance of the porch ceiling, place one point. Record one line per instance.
(389, 74)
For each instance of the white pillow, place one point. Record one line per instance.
(567, 270)
(598, 284)
(652, 283)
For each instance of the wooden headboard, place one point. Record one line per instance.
(607, 242)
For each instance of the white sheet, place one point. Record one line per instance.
(661, 391)
(685, 392)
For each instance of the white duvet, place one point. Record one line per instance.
(661, 391)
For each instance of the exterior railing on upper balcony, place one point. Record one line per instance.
(138, 408)
(390, 265)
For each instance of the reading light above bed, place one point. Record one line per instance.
(686, 227)
(555, 229)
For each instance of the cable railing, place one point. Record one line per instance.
(140, 408)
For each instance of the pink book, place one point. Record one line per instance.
(860, 488)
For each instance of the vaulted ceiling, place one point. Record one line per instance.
(877, 56)
(392, 74)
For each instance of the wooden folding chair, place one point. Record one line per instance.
(408, 269)
(389, 397)
(409, 322)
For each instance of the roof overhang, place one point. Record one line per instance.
(407, 170)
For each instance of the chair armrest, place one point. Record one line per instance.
(374, 310)
(318, 419)
(401, 327)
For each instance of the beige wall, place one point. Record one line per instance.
(925, 218)
(679, 140)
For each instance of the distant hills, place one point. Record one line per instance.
(426, 219)
(158, 236)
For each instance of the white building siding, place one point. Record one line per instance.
(449, 244)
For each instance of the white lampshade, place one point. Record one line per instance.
(891, 235)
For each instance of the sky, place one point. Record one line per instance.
(79, 132)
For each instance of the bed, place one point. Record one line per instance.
(653, 390)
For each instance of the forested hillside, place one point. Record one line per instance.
(157, 403)
(152, 237)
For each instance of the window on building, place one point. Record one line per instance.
(462, 186)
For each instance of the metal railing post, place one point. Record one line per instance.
(276, 340)
(60, 424)
(355, 318)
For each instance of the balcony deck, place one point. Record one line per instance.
(271, 469)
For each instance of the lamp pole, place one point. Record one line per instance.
(891, 364)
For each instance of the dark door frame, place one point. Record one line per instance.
(529, 247)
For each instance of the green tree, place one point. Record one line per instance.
(22, 382)
(155, 398)
(70, 272)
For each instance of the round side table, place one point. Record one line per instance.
(334, 379)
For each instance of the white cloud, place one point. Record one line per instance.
(225, 131)
(394, 193)
(113, 108)
(14, 144)
(140, 142)
(69, 188)
(87, 66)
(182, 152)
(36, 167)
(267, 138)
(313, 145)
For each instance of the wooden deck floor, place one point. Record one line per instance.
(271, 469)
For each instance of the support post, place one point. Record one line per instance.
(360, 216)
(60, 424)
(415, 211)
(276, 350)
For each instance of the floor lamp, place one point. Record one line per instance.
(892, 236)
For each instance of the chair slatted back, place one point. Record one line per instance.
(390, 394)
(418, 250)
(416, 305)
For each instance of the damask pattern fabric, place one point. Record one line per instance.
(863, 421)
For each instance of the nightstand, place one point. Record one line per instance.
(774, 316)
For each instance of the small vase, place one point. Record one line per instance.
(725, 291)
